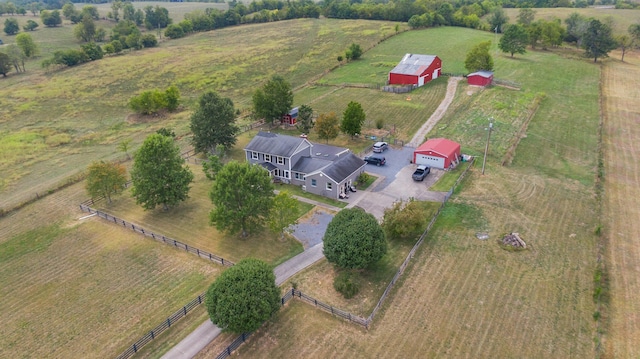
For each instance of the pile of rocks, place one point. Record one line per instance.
(514, 240)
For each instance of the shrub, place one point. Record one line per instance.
(346, 284)
(379, 123)
(148, 102)
(149, 40)
(363, 178)
(174, 31)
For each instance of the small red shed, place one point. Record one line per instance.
(416, 70)
(437, 153)
(290, 118)
(480, 78)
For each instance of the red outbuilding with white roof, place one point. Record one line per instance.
(437, 153)
(480, 78)
(416, 70)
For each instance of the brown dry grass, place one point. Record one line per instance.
(621, 91)
(71, 286)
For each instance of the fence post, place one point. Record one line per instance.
(152, 335)
(135, 348)
(168, 322)
(185, 310)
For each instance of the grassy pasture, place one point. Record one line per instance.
(85, 106)
(622, 18)
(463, 297)
(89, 287)
(620, 87)
(177, 10)
(189, 223)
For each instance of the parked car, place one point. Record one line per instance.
(420, 173)
(375, 160)
(379, 147)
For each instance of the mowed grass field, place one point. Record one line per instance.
(73, 286)
(54, 124)
(620, 87)
(622, 18)
(189, 223)
(463, 297)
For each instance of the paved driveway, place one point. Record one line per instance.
(395, 183)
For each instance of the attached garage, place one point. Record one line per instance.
(480, 78)
(437, 153)
(416, 70)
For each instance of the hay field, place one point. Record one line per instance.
(620, 87)
(54, 124)
(177, 10)
(463, 297)
(71, 286)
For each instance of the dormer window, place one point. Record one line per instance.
(255, 155)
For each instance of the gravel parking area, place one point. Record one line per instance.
(310, 230)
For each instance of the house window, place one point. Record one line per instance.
(299, 176)
(254, 155)
(267, 158)
(329, 186)
(313, 182)
(280, 160)
(286, 174)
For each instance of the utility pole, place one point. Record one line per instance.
(486, 148)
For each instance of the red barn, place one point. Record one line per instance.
(480, 78)
(291, 118)
(416, 70)
(437, 153)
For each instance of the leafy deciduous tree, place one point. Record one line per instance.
(148, 102)
(479, 58)
(86, 29)
(149, 40)
(50, 18)
(156, 18)
(352, 119)
(514, 40)
(497, 19)
(354, 239)
(404, 220)
(354, 52)
(624, 42)
(243, 195)
(327, 126)
(283, 213)
(30, 25)
(305, 119)
(159, 175)
(5, 64)
(273, 100)
(212, 166)
(105, 179)
(11, 26)
(243, 297)
(526, 16)
(598, 40)
(27, 45)
(213, 123)
(634, 31)
(93, 51)
(125, 146)
(171, 94)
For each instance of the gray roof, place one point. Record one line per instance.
(483, 73)
(413, 64)
(308, 164)
(344, 167)
(327, 151)
(269, 166)
(277, 145)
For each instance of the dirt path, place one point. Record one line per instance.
(620, 93)
(452, 85)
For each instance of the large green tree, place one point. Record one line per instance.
(86, 29)
(273, 100)
(327, 126)
(352, 119)
(105, 179)
(625, 42)
(27, 45)
(243, 296)
(598, 40)
(514, 40)
(242, 195)
(305, 119)
(526, 16)
(283, 213)
(50, 18)
(5, 64)
(213, 123)
(479, 58)
(11, 26)
(159, 174)
(156, 17)
(497, 18)
(354, 239)
(30, 25)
